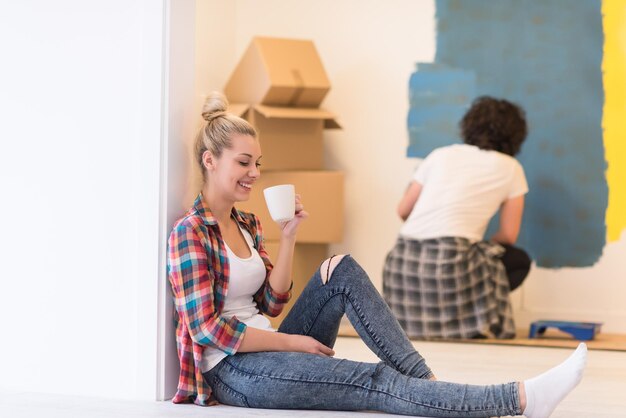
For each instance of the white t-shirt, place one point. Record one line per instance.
(462, 188)
(246, 277)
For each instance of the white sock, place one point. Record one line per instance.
(546, 391)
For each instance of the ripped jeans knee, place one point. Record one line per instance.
(328, 266)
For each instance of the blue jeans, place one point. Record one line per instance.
(398, 384)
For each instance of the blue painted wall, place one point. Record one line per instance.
(438, 98)
(546, 56)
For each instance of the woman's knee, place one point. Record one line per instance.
(328, 267)
(517, 264)
(526, 260)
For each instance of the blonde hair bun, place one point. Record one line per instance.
(215, 105)
(220, 128)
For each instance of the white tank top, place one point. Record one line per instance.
(246, 277)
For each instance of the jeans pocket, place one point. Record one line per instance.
(227, 395)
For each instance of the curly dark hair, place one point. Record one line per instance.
(494, 124)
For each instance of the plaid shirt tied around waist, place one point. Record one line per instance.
(198, 272)
(448, 288)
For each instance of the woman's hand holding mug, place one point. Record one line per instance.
(285, 208)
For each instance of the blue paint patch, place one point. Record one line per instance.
(547, 57)
(439, 96)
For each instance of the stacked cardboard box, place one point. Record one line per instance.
(278, 86)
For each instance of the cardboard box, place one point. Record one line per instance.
(280, 72)
(322, 196)
(306, 259)
(290, 138)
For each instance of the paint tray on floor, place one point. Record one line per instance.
(583, 331)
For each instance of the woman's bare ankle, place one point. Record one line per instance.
(522, 395)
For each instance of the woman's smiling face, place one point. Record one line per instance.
(234, 173)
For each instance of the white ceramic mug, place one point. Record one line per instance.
(281, 202)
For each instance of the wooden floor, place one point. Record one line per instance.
(602, 393)
(550, 338)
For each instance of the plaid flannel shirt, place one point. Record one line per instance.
(448, 287)
(198, 272)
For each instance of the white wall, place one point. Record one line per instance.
(369, 49)
(215, 55)
(176, 183)
(81, 95)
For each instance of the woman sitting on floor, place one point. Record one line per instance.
(222, 280)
